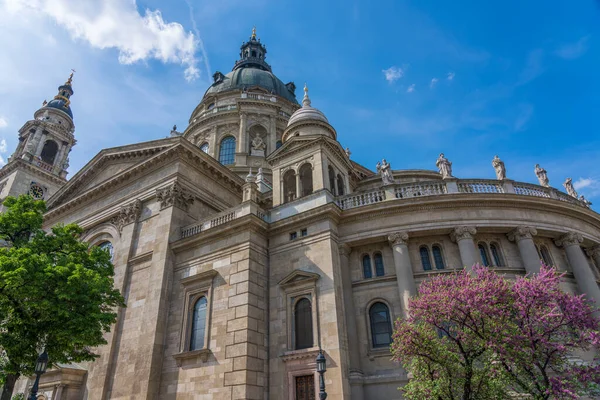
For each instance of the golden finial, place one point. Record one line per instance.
(254, 32)
(68, 82)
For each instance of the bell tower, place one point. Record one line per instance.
(39, 164)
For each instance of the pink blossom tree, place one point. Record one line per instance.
(474, 335)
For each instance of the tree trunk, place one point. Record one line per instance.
(9, 386)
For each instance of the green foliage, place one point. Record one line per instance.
(55, 291)
(18, 396)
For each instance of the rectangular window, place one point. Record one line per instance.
(304, 232)
(293, 235)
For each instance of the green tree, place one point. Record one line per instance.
(56, 292)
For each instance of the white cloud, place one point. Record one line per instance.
(117, 24)
(589, 187)
(392, 74)
(525, 114)
(411, 88)
(583, 183)
(3, 122)
(433, 82)
(3, 146)
(571, 51)
(450, 76)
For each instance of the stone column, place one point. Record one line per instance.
(242, 146)
(463, 236)
(58, 392)
(404, 271)
(355, 375)
(594, 252)
(584, 276)
(298, 186)
(523, 236)
(40, 142)
(272, 134)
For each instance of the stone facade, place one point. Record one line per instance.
(185, 227)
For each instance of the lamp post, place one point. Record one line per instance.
(40, 368)
(321, 368)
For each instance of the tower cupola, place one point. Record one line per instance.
(62, 100)
(253, 54)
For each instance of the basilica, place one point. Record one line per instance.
(250, 242)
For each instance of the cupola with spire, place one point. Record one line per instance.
(308, 120)
(62, 101)
(253, 54)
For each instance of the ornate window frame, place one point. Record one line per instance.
(195, 287)
(297, 286)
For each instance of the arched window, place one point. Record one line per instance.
(546, 258)
(381, 325)
(425, 260)
(227, 151)
(484, 254)
(496, 255)
(367, 271)
(341, 186)
(49, 152)
(306, 179)
(289, 185)
(253, 53)
(437, 257)
(198, 325)
(108, 247)
(303, 321)
(331, 179)
(204, 147)
(278, 144)
(379, 270)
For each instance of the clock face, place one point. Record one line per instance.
(36, 191)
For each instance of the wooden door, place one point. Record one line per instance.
(305, 387)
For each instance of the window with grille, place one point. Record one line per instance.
(425, 260)
(381, 325)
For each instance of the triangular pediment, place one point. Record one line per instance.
(108, 164)
(299, 277)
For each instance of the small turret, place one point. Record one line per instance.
(253, 54)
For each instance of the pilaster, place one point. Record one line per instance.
(404, 272)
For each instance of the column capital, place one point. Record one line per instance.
(463, 232)
(344, 249)
(398, 238)
(521, 232)
(593, 251)
(569, 239)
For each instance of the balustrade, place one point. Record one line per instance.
(527, 189)
(420, 189)
(480, 187)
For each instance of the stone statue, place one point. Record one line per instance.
(444, 166)
(347, 151)
(174, 128)
(569, 186)
(498, 165)
(542, 176)
(66, 163)
(385, 170)
(585, 201)
(257, 143)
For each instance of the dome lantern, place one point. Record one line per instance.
(253, 54)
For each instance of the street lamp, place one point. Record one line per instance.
(321, 368)
(40, 368)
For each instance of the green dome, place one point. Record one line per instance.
(241, 78)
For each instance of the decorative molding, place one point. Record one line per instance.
(174, 195)
(593, 251)
(202, 277)
(128, 215)
(344, 249)
(310, 354)
(202, 354)
(521, 232)
(569, 239)
(398, 238)
(299, 277)
(463, 232)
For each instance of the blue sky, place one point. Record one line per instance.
(401, 80)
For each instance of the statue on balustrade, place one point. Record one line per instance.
(569, 186)
(542, 176)
(498, 165)
(585, 201)
(444, 166)
(385, 170)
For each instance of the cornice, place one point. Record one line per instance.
(20, 163)
(470, 200)
(329, 210)
(302, 123)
